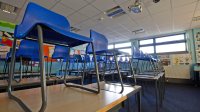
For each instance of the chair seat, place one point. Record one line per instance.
(55, 27)
(60, 37)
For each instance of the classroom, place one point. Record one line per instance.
(99, 55)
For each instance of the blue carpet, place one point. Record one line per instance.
(178, 98)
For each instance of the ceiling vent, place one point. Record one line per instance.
(115, 12)
(197, 18)
(138, 31)
(73, 29)
(7, 8)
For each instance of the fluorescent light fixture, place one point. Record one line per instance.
(7, 8)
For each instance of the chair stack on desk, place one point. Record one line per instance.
(25, 55)
(145, 64)
(45, 26)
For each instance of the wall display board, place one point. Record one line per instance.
(197, 46)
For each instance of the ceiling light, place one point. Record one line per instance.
(115, 12)
(197, 18)
(74, 29)
(138, 31)
(101, 18)
(136, 7)
(156, 1)
(7, 8)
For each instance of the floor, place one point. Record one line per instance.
(178, 98)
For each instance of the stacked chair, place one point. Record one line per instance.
(25, 54)
(110, 67)
(61, 53)
(45, 26)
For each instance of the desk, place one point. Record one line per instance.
(159, 86)
(34, 82)
(62, 99)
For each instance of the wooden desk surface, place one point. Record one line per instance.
(148, 77)
(63, 99)
(36, 80)
(116, 88)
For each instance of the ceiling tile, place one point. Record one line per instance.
(161, 6)
(163, 17)
(45, 3)
(181, 19)
(90, 1)
(181, 27)
(7, 17)
(145, 21)
(179, 3)
(104, 5)
(76, 18)
(17, 3)
(190, 8)
(197, 13)
(74, 4)
(62, 9)
(89, 11)
(86, 24)
(120, 1)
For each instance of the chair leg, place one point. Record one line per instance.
(86, 88)
(42, 70)
(119, 73)
(132, 71)
(11, 71)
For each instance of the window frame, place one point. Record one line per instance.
(154, 44)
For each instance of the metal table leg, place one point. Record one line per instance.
(157, 93)
(139, 101)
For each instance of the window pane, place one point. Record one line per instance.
(148, 49)
(170, 38)
(144, 42)
(170, 48)
(127, 50)
(127, 44)
(110, 46)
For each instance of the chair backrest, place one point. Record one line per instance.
(87, 58)
(78, 58)
(28, 49)
(60, 52)
(99, 40)
(136, 53)
(36, 14)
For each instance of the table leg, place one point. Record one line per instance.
(139, 101)
(156, 93)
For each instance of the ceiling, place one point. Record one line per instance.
(165, 17)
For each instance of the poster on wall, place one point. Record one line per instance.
(6, 34)
(181, 59)
(165, 59)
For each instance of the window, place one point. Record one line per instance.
(145, 42)
(121, 45)
(111, 46)
(170, 48)
(148, 49)
(170, 38)
(166, 44)
(127, 50)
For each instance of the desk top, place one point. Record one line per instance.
(36, 80)
(61, 98)
(148, 77)
(116, 88)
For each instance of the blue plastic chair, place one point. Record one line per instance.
(29, 51)
(61, 53)
(101, 47)
(46, 26)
